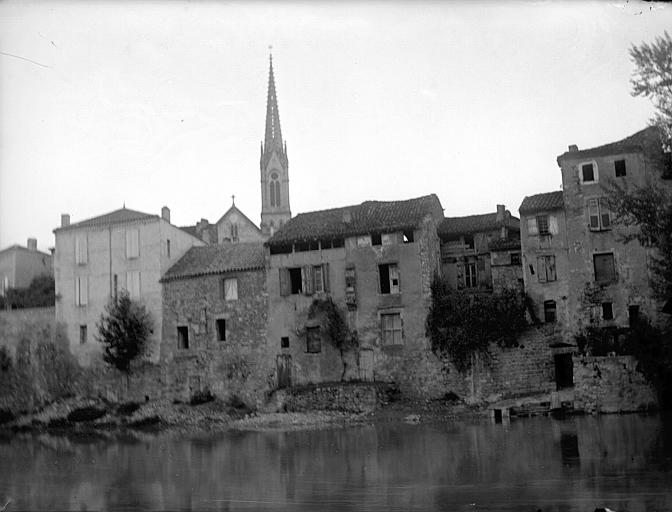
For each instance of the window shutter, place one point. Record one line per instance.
(222, 288)
(84, 291)
(605, 215)
(532, 226)
(325, 277)
(308, 280)
(553, 224)
(541, 269)
(284, 281)
(593, 214)
(550, 268)
(77, 285)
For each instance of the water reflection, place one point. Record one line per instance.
(575, 464)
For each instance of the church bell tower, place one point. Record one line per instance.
(275, 209)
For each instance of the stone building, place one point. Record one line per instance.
(214, 329)
(19, 265)
(609, 279)
(375, 261)
(234, 226)
(481, 252)
(97, 257)
(546, 269)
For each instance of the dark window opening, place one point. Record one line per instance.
(295, 280)
(168, 248)
(116, 286)
(337, 242)
(183, 337)
(607, 311)
(588, 172)
(549, 311)
(281, 249)
(619, 168)
(531, 269)
(389, 278)
(470, 275)
(284, 342)
(408, 236)
(542, 224)
(82, 334)
(564, 371)
(515, 258)
(221, 329)
(313, 340)
(469, 241)
(604, 267)
(376, 239)
(312, 245)
(633, 315)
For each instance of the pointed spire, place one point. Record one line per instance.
(273, 137)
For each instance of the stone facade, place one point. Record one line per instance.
(95, 259)
(19, 265)
(234, 226)
(227, 353)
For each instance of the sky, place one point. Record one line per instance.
(146, 104)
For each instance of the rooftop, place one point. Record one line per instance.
(541, 202)
(632, 144)
(370, 216)
(116, 217)
(217, 259)
(476, 223)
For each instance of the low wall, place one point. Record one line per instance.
(611, 384)
(347, 397)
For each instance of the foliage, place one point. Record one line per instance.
(5, 359)
(337, 330)
(123, 329)
(650, 208)
(652, 79)
(40, 293)
(460, 324)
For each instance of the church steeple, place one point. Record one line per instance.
(275, 209)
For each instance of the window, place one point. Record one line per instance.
(115, 286)
(81, 250)
(389, 278)
(542, 224)
(549, 311)
(82, 334)
(182, 337)
(284, 342)
(133, 284)
(307, 280)
(546, 269)
(313, 340)
(229, 289)
(599, 217)
(619, 168)
(607, 311)
(388, 238)
(532, 226)
(364, 241)
(408, 236)
(376, 239)
(274, 190)
(391, 331)
(220, 325)
(4, 285)
(168, 248)
(604, 267)
(515, 258)
(633, 315)
(589, 172)
(132, 243)
(470, 275)
(234, 232)
(469, 241)
(81, 291)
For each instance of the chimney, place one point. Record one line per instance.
(500, 212)
(573, 148)
(165, 213)
(32, 244)
(65, 219)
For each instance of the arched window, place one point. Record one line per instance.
(274, 190)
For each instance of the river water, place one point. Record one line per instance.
(574, 464)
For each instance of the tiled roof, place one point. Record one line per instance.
(476, 223)
(648, 137)
(370, 216)
(504, 245)
(115, 217)
(190, 230)
(541, 202)
(217, 259)
(17, 247)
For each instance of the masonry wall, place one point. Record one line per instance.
(242, 364)
(611, 384)
(20, 265)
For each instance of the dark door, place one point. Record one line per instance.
(284, 364)
(564, 371)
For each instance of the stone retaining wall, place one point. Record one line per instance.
(347, 397)
(611, 384)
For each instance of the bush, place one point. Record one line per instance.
(201, 397)
(86, 414)
(5, 360)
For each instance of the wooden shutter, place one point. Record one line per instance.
(532, 226)
(308, 280)
(541, 269)
(605, 215)
(553, 224)
(550, 268)
(593, 214)
(285, 284)
(325, 277)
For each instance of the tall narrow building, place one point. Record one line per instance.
(275, 210)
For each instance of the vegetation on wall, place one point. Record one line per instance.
(123, 329)
(40, 293)
(461, 325)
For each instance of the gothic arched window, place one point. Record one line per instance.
(274, 190)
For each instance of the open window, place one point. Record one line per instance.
(389, 278)
(588, 172)
(182, 337)
(550, 315)
(304, 280)
(220, 325)
(605, 270)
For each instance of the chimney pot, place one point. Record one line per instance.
(573, 148)
(32, 244)
(165, 213)
(500, 212)
(65, 219)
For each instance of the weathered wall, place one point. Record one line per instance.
(337, 397)
(611, 384)
(20, 265)
(242, 364)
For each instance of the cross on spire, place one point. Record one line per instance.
(233, 200)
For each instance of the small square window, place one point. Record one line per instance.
(607, 311)
(220, 323)
(183, 337)
(284, 342)
(313, 340)
(587, 173)
(82, 334)
(619, 168)
(515, 258)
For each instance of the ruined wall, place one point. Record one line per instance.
(343, 397)
(611, 384)
(242, 363)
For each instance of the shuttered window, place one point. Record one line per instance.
(599, 216)
(391, 329)
(605, 271)
(133, 284)
(81, 250)
(81, 291)
(132, 243)
(546, 269)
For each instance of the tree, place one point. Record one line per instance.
(652, 79)
(123, 330)
(40, 293)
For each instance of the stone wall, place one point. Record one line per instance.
(348, 397)
(611, 384)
